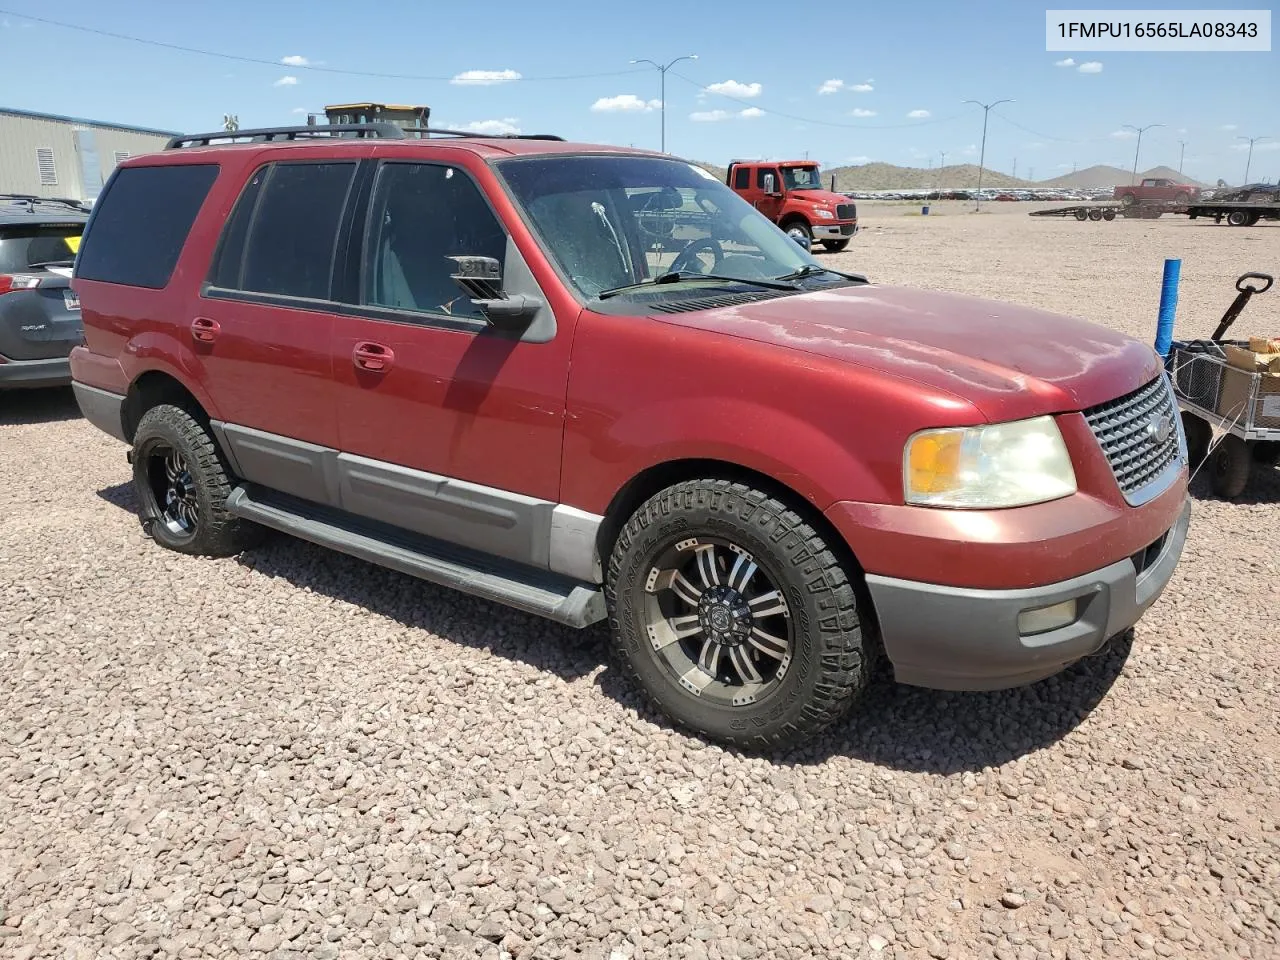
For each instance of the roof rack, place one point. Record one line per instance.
(31, 200)
(378, 130)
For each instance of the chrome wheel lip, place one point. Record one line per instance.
(717, 621)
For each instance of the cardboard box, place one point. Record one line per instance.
(1264, 345)
(1252, 360)
(1237, 387)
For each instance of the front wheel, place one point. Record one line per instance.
(1238, 218)
(735, 616)
(799, 231)
(1128, 200)
(835, 246)
(183, 484)
(1182, 199)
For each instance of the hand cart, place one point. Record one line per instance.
(1244, 405)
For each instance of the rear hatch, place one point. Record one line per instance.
(39, 313)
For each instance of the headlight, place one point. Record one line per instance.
(999, 465)
(825, 214)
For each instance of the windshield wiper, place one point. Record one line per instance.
(813, 269)
(51, 263)
(682, 276)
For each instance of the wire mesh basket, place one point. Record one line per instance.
(1197, 376)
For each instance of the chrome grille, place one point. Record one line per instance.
(846, 211)
(1127, 431)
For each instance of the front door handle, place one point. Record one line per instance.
(204, 330)
(374, 357)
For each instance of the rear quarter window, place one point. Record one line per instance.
(141, 222)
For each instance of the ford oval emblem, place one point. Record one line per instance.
(1160, 428)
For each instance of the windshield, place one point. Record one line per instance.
(802, 178)
(613, 221)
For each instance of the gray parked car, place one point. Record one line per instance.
(39, 313)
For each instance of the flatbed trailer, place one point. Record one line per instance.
(1143, 210)
(1237, 213)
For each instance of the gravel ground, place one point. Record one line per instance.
(295, 754)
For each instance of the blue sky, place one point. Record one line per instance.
(859, 81)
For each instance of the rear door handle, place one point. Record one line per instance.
(204, 330)
(374, 357)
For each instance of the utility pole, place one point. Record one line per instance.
(1182, 153)
(663, 87)
(1141, 130)
(1031, 173)
(1248, 163)
(982, 155)
(1015, 168)
(941, 167)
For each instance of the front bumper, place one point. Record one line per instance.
(959, 638)
(55, 372)
(834, 231)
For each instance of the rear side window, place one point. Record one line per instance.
(141, 222)
(742, 178)
(33, 247)
(281, 236)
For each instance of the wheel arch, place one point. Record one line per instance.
(154, 387)
(660, 476)
(795, 217)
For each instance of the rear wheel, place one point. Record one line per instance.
(835, 246)
(734, 616)
(183, 484)
(1082, 215)
(1238, 218)
(1182, 199)
(1231, 462)
(1199, 434)
(1095, 214)
(1108, 214)
(1128, 200)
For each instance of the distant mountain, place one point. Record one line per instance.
(886, 176)
(1093, 178)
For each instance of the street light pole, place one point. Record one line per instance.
(1248, 163)
(1182, 153)
(1141, 130)
(663, 89)
(941, 167)
(982, 155)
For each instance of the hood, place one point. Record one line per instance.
(819, 196)
(1009, 361)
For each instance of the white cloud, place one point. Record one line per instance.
(1122, 134)
(862, 87)
(286, 82)
(1229, 127)
(1069, 62)
(484, 78)
(919, 114)
(295, 61)
(732, 88)
(709, 116)
(1090, 66)
(831, 86)
(751, 113)
(494, 127)
(1258, 147)
(299, 110)
(970, 151)
(860, 112)
(858, 160)
(625, 103)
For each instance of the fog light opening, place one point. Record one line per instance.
(1044, 619)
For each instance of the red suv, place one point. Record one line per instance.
(595, 383)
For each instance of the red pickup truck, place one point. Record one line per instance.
(790, 193)
(595, 384)
(1157, 188)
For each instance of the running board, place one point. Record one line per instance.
(570, 602)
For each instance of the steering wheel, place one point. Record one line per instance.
(686, 256)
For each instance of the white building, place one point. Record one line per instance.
(45, 155)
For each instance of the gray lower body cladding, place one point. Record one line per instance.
(16, 374)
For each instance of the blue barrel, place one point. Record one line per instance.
(1168, 306)
(924, 211)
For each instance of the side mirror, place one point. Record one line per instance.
(481, 278)
(770, 185)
